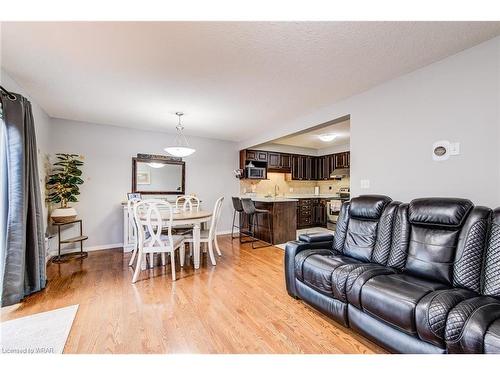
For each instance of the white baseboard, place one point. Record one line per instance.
(53, 252)
(86, 248)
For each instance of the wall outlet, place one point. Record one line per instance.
(291, 190)
(365, 184)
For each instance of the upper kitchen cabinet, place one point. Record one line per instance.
(301, 167)
(278, 162)
(342, 160)
(256, 155)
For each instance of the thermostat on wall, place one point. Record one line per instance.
(442, 150)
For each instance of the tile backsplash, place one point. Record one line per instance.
(285, 183)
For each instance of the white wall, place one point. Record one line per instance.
(42, 130)
(108, 153)
(394, 125)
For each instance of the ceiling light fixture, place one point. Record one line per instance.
(327, 137)
(181, 147)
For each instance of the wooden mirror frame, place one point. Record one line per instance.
(135, 160)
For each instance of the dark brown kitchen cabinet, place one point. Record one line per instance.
(298, 167)
(286, 161)
(302, 167)
(311, 212)
(273, 160)
(319, 212)
(256, 155)
(342, 160)
(278, 162)
(304, 213)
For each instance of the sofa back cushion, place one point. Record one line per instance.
(471, 249)
(341, 227)
(492, 258)
(364, 214)
(436, 225)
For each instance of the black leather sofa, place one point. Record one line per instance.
(422, 277)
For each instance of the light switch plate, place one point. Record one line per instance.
(365, 184)
(455, 148)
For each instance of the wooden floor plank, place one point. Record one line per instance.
(239, 306)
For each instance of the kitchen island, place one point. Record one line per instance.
(283, 219)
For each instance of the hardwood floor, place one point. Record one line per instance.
(239, 306)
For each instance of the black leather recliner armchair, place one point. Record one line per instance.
(422, 277)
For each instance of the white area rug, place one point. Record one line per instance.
(44, 333)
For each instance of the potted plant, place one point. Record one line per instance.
(63, 186)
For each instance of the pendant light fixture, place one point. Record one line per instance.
(181, 147)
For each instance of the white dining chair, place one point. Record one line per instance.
(152, 217)
(133, 226)
(187, 203)
(210, 236)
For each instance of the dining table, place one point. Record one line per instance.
(195, 218)
(183, 218)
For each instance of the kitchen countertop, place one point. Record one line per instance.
(272, 199)
(291, 197)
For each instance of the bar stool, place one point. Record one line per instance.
(238, 208)
(253, 218)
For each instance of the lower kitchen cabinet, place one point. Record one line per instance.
(311, 213)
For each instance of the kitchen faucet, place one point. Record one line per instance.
(276, 190)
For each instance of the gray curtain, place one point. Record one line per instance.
(23, 256)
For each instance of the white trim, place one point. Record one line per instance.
(86, 248)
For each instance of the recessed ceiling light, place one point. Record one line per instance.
(327, 137)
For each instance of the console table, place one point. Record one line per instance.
(74, 255)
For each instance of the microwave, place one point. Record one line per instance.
(256, 172)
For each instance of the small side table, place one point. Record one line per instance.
(74, 255)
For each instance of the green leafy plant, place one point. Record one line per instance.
(62, 184)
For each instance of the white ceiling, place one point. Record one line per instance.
(232, 79)
(310, 138)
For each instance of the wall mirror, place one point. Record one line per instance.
(152, 175)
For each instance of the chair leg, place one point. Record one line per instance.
(182, 254)
(151, 260)
(217, 246)
(255, 222)
(172, 261)
(232, 226)
(140, 259)
(163, 261)
(211, 252)
(134, 253)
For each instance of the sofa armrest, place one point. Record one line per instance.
(292, 248)
(468, 322)
(316, 237)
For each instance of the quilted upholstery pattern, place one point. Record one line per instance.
(384, 238)
(458, 317)
(397, 257)
(467, 269)
(341, 229)
(492, 264)
(301, 257)
(357, 272)
(339, 280)
(439, 309)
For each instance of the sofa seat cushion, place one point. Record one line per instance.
(345, 276)
(317, 270)
(432, 312)
(492, 338)
(394, 298)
